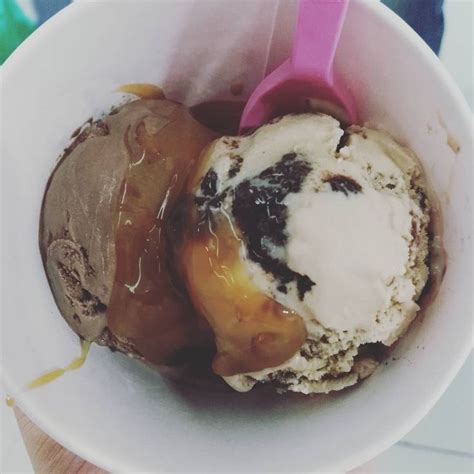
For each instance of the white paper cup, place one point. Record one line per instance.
(121, 415)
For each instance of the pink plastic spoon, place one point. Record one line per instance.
(306, 81)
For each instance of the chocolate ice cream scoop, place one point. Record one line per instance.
(101, 229)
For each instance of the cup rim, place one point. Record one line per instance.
(388, 438)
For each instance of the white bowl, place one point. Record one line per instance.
(121, 415)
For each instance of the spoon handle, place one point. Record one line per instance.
(318, 29)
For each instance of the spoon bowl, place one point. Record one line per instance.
(306, 81)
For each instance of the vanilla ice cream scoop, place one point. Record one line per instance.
(332, 226)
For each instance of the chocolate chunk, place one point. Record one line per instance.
(260, 213)
(423, 199)
(100, 307)
(261, 216)
(343, 184)
(303, 284)
(209, 183)
(414, 229)
(89, 129)
(206, 204)
(85, 295)
(217, 200)
(236, 165)
(286, 176)
(344, 140)
(288, 157)
(200, 201)
(375, 350)
(91, 300)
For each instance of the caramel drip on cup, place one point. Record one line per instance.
(143, 90)
(53, 374)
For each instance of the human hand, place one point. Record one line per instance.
(47, 456)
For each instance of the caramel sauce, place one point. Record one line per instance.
(147, 307)
(143, 90)
(252, 331)
(53, 374)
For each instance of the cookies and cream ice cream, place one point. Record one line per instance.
(330, 226)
